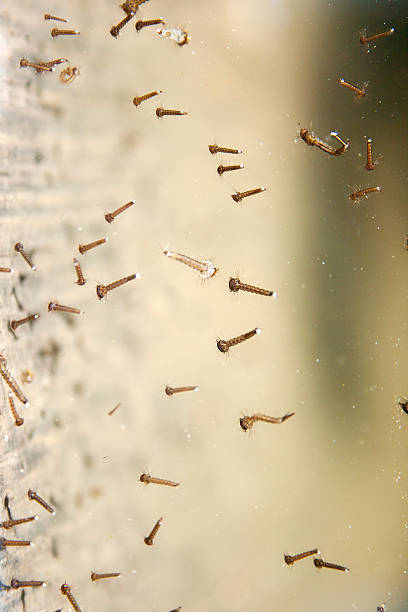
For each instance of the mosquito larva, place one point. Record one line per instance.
(311, 140)
(66, 590)
(24, 63)
(320, 563)
(365, 40)
(161, 112)
(56, 62)
(359, 91)
(52, 63)
(52, 307)
(370, 165)
(148, 22)
(221, 169)
(47, 16)
(57, 32)
(18, 420)
(83, 248)
(14, 324)
(225, 345)
(21, 584)
(148, 540)
(103, 290)
(291, 559)
(117, 28)
(95, 576)
(19, 248)
(80, 276)
(13, 522)
(213, 149)
(147, 479)
(33, 495)
(172, 390)
(205, 268)
(110, 216)
(240, 195)
(138, 99)
(4, 542)
(356, 195)
(6, 270)
(247, 422)
(11, 382)
(235, 285)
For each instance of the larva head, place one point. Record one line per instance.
(304, 133)
(246, 423)
(223, 346)
(101, 291)
(234, 284)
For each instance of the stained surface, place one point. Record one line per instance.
(332, 347)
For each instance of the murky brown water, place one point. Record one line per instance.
(332, 348)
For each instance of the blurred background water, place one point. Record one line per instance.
(332, 348)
